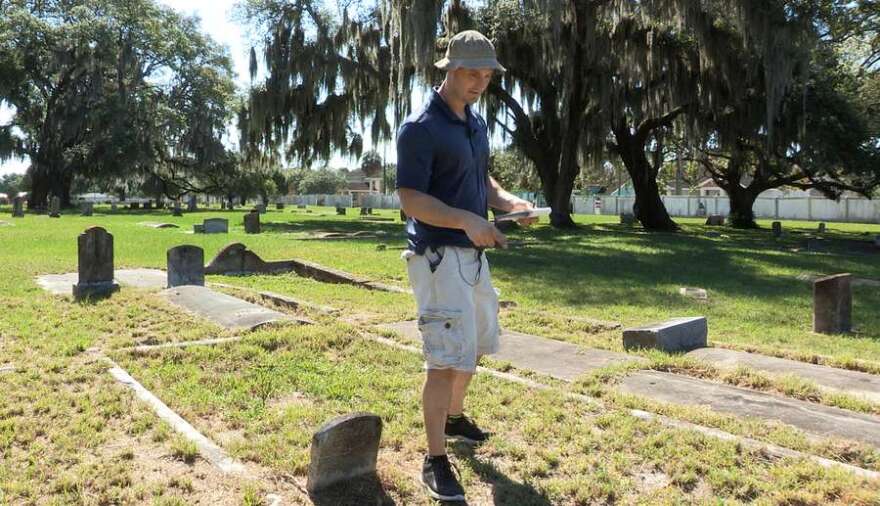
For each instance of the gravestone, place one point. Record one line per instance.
(18, 207)
(832, 304)
(715, 220)
(777, 229)
(235, 258)
(301, 206)
(198, 228)
(95, 249)
(192, 205)
(260, 208)
(55, 207)
(223, 206)
(677, 334)
(177, 211)
(279, 206)
(627, 219)
(87, 208)
(216, 226)
(186, 266)
(230, 206)
(344, 449)
(252, 223)
(113, 206)
(134, 205)
(822, 228)
(340, 211)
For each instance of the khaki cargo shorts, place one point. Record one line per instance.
(458, 307)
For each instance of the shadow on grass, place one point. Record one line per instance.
(366, 490)
(505, 491)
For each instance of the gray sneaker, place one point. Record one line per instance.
(439, 480)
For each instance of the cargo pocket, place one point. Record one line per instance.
(442, 338)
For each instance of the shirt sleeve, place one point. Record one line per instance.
(415, 157)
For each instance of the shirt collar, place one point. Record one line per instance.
(437, 100)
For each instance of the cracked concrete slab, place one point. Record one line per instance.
(224, 310)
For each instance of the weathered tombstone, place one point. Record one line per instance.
(344, 449)
(230, 205)
(87, 208)
(198, 228)
(18, 207)
(340, 211)
(113, 206)
(192, 205)
(260, 208)
(134, 205)
(95, 249)
(55, 207)
(252, 222)
(186, 266)
(223, 206)
(216, 226)
(832, 304)
(627, 219)
(677, 334)
(822, 228)
(148, 205)
(177, 211)
(777, 229)
(279, 206)
(364, 211)
(715, 220)
(301, 206)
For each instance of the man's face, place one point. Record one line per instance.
(469, 84)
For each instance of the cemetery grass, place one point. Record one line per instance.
(66, 429)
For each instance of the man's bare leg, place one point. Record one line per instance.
(436, 398)
(459, 390)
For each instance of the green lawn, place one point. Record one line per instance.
(70, 435)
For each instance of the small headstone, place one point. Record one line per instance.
(777, 229)
(260, 208)
(216, 226)
(822, 228)
(18, 207)
(627, 219)
(235, 258)
(186, 266)
(715, 220)
(279, 206)
(340, 211)
(87, 209)
(677, 334)
(192, 204)
(55, 207)
(95, 249)
(148, 205)
(381, 247)
(694, 293)
(177, 211)
(223, 206)
(230, 205)
(832, 304)
(113, 206)
(301, 206)
(252, 222)
(344, 449)
(198, 228)
(134, 205)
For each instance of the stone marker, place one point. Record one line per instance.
(148, 205)
(134, 205)
(279, 206)
(18, 207)
(192, 205)
(55, 207)
(216, 226)
(252, 222)
(260, 208)
(177, 211)
(113, 206)
(95, 247)
(777, 229)
(87, 208)
(677, 334)
(186, 266)
(628, 219)
(832, 304)
(198, 228)
(236, 258)
(694, 293)
(223, 206)
(344, 449)
(715, 220)
(230, 205)
(340, 211)
(822, 228)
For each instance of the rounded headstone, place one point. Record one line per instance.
(832, 304)
(186, 266)
(252, 222)
(344, 449)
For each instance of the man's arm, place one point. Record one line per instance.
(501, 199)
(433, 211)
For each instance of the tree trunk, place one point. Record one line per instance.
(649, 208)
(742, 201)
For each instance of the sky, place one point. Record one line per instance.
(216, 21)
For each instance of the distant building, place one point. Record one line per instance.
(359, 185)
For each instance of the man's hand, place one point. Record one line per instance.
(523, 205)
(484, 234)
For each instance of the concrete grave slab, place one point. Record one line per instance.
(812, 418)
(677, 334)
(557, 359)
(152, 279)
(224, 310)
(859, 384)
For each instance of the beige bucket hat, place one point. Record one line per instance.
(470, 49)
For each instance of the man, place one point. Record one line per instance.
(445, 190)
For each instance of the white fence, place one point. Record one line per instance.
(785, 208)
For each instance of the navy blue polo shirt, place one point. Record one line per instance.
(447, 158)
